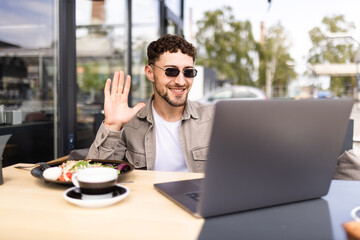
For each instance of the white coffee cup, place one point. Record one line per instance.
(95, 181)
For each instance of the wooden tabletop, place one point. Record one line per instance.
(32, 209)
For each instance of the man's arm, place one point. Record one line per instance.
(108, 143)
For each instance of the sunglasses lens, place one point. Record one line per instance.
(190, 73)
(172, 72)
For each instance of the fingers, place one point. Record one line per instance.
(107, 87)
(121, 83)
(115, 83)
(127, 85)
(118, 83)
(138, 106)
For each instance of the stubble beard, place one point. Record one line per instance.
(177, 102)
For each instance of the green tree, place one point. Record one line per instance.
(226, 45)
(324, 50)
(90, 80)
(274, 71)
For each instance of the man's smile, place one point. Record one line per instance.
(177, 91)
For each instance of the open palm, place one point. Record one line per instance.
(116, 107)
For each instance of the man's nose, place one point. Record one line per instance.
(180, 79)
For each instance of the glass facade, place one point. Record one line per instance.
(145, 30)
(37, 45)
(28, 80)
(101, 48)
(174, 6)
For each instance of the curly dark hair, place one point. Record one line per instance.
(169, 43)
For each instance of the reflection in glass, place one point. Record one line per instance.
(302, 220)
(145, 30)
(174, 6)
(28, 74)
(101, 50)
(171, 28)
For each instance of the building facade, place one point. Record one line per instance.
(55, 56)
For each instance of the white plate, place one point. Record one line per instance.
(74, 196)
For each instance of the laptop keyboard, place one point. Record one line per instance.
(194, 195)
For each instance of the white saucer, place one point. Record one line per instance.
(74, 196)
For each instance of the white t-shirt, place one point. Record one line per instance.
(169, 156)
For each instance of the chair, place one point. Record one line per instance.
(348, 141)
(35, 117)
(98, 119)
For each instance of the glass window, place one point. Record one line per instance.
(174, 6)
(28, 80)
(171, 28)
(145, 30)
(101, 49)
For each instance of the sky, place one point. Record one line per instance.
(296, 16)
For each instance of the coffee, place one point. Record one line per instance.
(95, 181)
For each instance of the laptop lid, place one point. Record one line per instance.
(265, 153)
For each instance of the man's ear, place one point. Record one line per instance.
(149, 72)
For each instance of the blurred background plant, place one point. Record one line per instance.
(324, 50)
(228, 46)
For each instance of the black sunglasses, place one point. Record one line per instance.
(174, 72)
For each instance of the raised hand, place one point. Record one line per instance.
(116, 107)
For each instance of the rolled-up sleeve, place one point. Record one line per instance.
(107, 145)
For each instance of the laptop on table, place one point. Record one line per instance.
(265, 153)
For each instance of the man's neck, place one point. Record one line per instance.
(166, 111)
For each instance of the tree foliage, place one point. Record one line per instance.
(91, 81)
(225, 45)
(274, 60)
(91, 78)
(325, 50)
(228, 46)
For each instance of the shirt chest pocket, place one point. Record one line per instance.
(136, 158)
(200, 155)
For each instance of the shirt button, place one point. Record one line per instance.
(137, 163)
(102, 135)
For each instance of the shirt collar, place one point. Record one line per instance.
(189, 111)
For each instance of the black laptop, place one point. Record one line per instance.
(264, 153)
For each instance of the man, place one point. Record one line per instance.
(170, 132)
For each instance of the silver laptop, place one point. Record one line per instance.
(265, 153)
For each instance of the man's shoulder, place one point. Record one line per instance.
(203, 112)
(202, 106)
